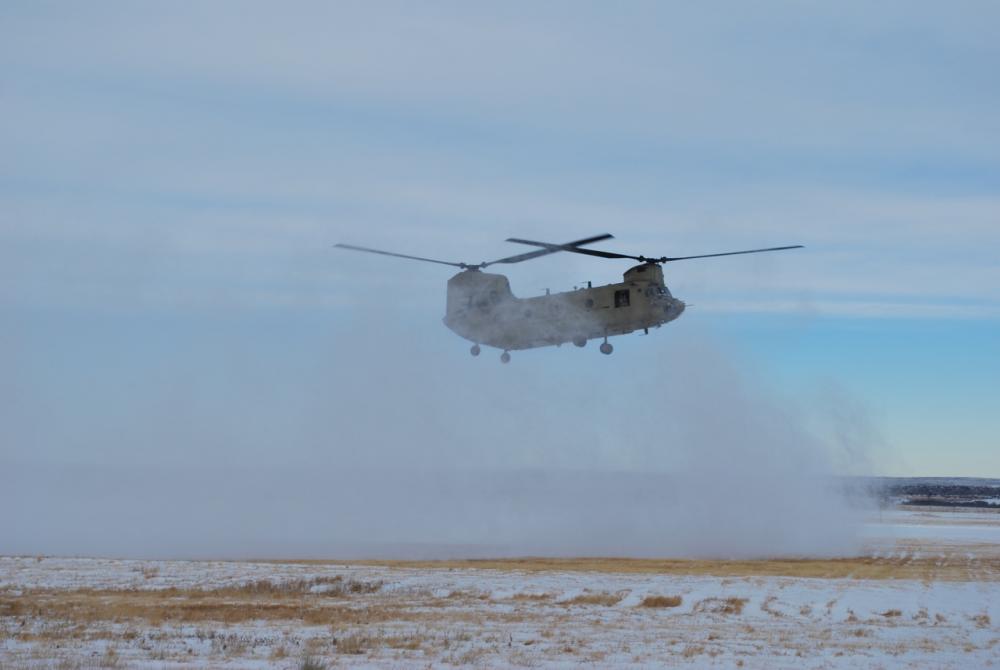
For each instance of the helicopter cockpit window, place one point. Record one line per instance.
(621, 298)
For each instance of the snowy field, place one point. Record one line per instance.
(925, 595)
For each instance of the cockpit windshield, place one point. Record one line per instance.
(657, 292)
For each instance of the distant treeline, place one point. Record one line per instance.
(937, 491)
(949, 502)
(944, 490)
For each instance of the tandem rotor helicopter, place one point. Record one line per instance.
(482, 309)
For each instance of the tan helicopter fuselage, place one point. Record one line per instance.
(481, 308)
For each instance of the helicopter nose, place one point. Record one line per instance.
(673, 309)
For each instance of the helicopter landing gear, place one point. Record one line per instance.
(474, 350)
(580, 341)
(505, 357)
(606, 347)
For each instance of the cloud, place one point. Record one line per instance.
(221, 148)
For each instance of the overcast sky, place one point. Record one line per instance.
(173, 175)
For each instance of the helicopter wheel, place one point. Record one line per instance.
(580, 341)
(474, 350)
(606, 348)
(505, 357)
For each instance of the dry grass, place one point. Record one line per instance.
(310, 663)
(362, 621)
(110, 659)
(862, 567)
(661, 601)
(599, 598)
(78, 614)
(768, 606)
(530, 597)
(472, 656)
(358, 642)
(260, 600)
(721, 605)
(335, 587)
(353, 644)
(693, 650)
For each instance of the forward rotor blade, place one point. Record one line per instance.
(729, 253)
(390, 253)
(551, 249)
(642, 259)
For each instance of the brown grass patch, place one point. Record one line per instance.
(408, 641)
(888, 614)
(470, 657)
(721, 605)
(335, 587)
(354, 643)
(693, 650)
(110, 659)
(661, 601)
(532, 597)
(767, 606)
(600, 598)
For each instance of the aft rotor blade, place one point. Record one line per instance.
(551, 249)
(390, 253)
(666, 259)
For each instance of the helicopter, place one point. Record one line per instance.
(481, 307)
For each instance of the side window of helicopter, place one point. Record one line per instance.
(621, 298)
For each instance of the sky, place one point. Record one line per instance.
(173, 177)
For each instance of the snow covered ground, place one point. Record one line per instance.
(926, 596)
